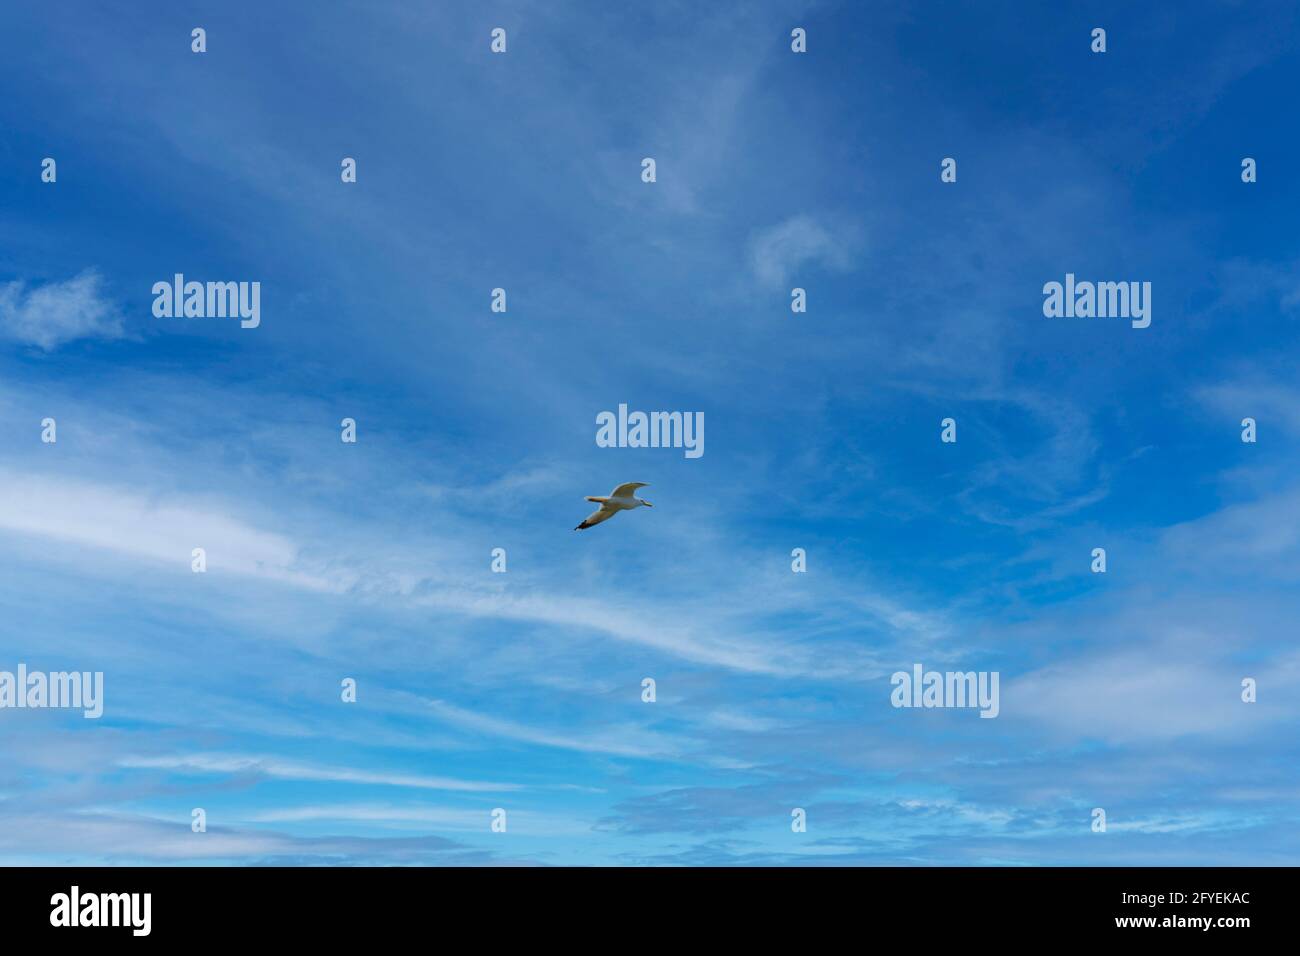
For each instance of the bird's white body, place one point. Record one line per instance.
(622, 504)
(620, 499)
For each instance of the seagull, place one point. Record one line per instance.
(620, 499)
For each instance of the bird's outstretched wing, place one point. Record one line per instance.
(603, 513)
(625, 490)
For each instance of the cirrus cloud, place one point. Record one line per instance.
(58, 312)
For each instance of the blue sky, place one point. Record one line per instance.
(476, 431)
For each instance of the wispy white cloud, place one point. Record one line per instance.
(1150, 693)
(1269, 402)
(291, 770)
(50, 315)
(117, 838)
(1262, 535)
(311, 549)
(624, 742)
(740, 721)
(146, 527)
(777, 252)
(522, 822)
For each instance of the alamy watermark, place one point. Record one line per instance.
(653, 430)
(82, 690)
(1103, 300)
(922, 688)
(75, 908)
(209, 300)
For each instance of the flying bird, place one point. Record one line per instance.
(620, 499)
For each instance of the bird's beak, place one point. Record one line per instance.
(646, 503)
